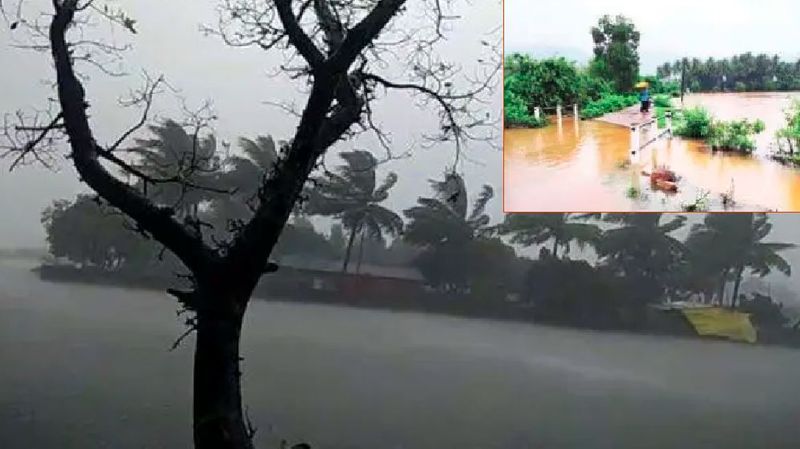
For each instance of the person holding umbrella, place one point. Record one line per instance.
(644, 96)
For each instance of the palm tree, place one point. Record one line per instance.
(449, 233)
(444, 217)
(735, 241)
(172, 153)
(353, 196)
(643, 249)
(536, 229)
(239, 175)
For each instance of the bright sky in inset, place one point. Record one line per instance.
(692, 28)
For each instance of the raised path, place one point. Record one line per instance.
(627, 116)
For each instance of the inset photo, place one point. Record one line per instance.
(615, 106)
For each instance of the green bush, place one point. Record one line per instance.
(606, 104)
(693, 123)
(543, 82)
(662, 101)
(790, 134)
(736, 135)
(515, 112)
(661, 116)
(593, 88)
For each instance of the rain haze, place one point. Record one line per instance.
(169, 42)
(387, 323)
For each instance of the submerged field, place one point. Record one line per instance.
(584, 166)
(89, 367)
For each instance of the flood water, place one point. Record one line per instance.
(580, 166)
(89, 367)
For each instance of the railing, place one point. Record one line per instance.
(636, 128)
(537, 112)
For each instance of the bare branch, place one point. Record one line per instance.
(362, 35)
(158, 221)
(297, 37)
(145, 98)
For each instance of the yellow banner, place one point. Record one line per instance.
(719, 322)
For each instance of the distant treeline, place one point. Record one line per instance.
(22, 253)
(741, 73)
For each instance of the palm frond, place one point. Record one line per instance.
(479, 207)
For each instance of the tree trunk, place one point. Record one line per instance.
(683, 79)
(219, 422)
(738, 282)
(350, 241)
(555, 248)
(360, 252)
(721, 291)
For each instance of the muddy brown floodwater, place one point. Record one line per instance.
(584, 166)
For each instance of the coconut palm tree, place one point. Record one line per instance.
(172, 153)
(238, 175)
(560, 228)
(736, 242)
(444, 217)
(451, 236)
(643, 250)
(352, 195)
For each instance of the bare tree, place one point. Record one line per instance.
(341, 49)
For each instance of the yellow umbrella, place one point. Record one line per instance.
(642, 85)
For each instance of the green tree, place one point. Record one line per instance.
(644, 250)
(447, 231)
(353, 196)
(86, 233)
(543, 82)
(300, 238)
(258, 157)
(735, 244)
(559, 228)
(742, 72)
(174, 154)
(616, 48)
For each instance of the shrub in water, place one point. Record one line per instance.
(735, 135)
(790, 135)
(694, 123)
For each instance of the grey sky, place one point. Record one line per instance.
(236, 80)
(693, 28)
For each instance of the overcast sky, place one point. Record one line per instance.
(694, 28)
(236, 81)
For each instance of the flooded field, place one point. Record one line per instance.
(89, 367)
(585, 166)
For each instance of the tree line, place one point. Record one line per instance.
(347, 56)
(453, 243)
(740, 73)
